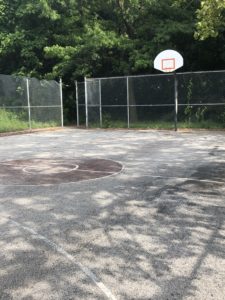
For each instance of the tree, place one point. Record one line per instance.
(74, 38)
(210, 19)
(122, 37)
(26, 27)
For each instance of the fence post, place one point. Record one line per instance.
(175, 101)
(61, 99)
(100, 102)
(128, 104)
(28, 102)
(77, 103)
(86, 101)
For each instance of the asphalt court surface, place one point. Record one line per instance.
(145, 220)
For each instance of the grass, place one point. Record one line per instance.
(201, 125)
(207, 124)
(11, 121)
(152, 125)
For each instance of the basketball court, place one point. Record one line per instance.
(112, 214)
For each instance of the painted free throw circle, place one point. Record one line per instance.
(50, 168)
(55, 171)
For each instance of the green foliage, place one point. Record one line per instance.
(107, 121)
(210, 15)
(15, 121)
(76, 38)
(10, 121)
(204, 124)
(222, 117)
(188, 108)
(211, 19)
(188, 113)
(200, 113)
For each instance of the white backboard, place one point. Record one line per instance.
(168, 61)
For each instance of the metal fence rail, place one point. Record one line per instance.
(32, 101)
(135, 101)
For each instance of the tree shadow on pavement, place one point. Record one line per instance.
(145, 238)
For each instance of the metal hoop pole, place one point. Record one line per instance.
(28, 102)
(86, 101)
(100, 102)
(128, 104)
(77, 103)
(175, 101)
(61, 99)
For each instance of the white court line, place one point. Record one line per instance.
(11, 164)
(63, 252)
(48, 168)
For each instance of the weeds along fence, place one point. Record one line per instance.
(29, 103)
(149, 101)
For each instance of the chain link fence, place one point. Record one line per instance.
(149, 101)
(29, 103)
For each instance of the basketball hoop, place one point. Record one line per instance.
(168, 64)
(168, 61)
